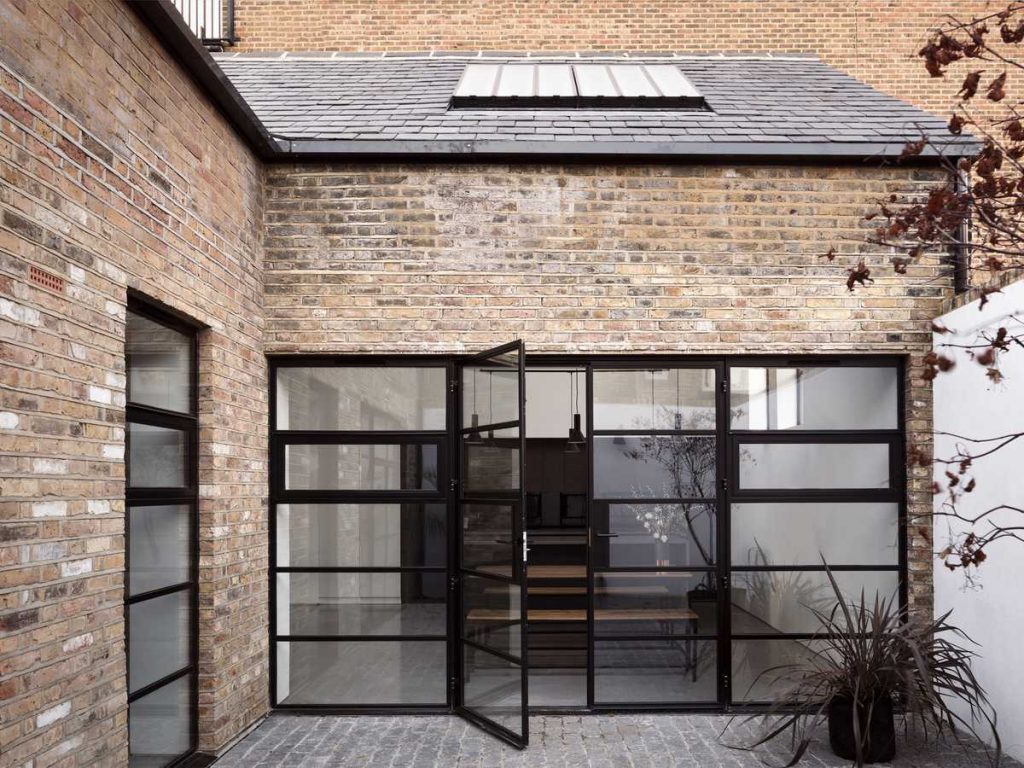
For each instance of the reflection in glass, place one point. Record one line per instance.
(676, 398)
(348, 467)
(361, 603)
(670, 603)
(644, 534)
(156, 457)
(487, 537)
(670, 466)
(361, 398)
(361, 535)
(158, 553)
(490, 392)
(802, 533)
(492, 614)
(343, 672)
(814, 465)
(759, 667)
(655, 671)
(490, 465)
(159, 725)
(159, 365)
(158, 638)
(766, 602)
(493, 688)
(814, 398)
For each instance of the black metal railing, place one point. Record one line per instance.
(212, 21)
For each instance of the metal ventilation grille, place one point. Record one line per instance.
(655, 86)
(45, 279)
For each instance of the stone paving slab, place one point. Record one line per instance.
(585, 741)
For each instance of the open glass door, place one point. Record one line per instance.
(491, 552)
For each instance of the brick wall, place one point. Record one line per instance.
(576, 258)
(115, 174)
(875, 40)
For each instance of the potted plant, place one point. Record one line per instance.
(869, 661)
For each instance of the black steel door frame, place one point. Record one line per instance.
(725, 477)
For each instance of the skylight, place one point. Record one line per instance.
(593, 84)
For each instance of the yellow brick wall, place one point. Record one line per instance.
(116, 174)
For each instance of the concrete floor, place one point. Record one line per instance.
(594, 741)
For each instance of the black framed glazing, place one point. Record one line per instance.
(144, 500)
(401, 648)
(800, 577)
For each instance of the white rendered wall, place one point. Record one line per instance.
(993, 613)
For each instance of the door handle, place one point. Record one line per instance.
(608, 535)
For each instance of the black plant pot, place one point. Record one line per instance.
(879, 734)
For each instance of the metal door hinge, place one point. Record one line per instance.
(453, 385)
(453, 582)
(452, 485)
(725, 385)
(725, 483)
(725, 582)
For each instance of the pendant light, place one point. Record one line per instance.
(576, 438)
(473, 438)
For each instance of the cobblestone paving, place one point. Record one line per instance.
(595, 741)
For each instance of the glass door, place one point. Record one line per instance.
(491, 552)
(655, 573)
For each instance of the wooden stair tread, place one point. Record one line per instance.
(573, 614)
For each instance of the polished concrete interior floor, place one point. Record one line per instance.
(591, 741)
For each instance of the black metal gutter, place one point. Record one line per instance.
(164, 20)
(490, 149)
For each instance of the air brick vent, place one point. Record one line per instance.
(46, 280)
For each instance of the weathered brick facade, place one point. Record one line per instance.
(580, 258)
(116, 174)
(874, 40)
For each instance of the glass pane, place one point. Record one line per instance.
(759, 666)
(362, 604)
(655, 671)
(158, 553)
(672, 467)
(554, 397)
(382, 467)
(651, 535)
(766, 602)
(488, 542)
(156, 457)
(667, 603)
(814, 398)
(493, 688)
(490, 465)
(358, 398)
(362, 672)
(676, 398)
(159, 362)
(492, 614)
(790, 533)
(159, 725)
(490, 392)
(361, 535)
(158, 631)
(814, 465)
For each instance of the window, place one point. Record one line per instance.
(816, 467)
(161, 532)
(359, 535)
(595, 84)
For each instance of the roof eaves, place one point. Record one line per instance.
(507, 149)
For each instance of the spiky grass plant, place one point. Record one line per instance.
(867, 653)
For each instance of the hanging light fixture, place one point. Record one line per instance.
(576, 438)
(473, 438)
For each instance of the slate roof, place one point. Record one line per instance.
(382, 104)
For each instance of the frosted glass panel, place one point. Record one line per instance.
(158, 725)
(156, 457)
(158, 638)
(814, 465)
(158, 553)
(361, 398)
(159, 362)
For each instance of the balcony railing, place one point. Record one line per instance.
(212, 21)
